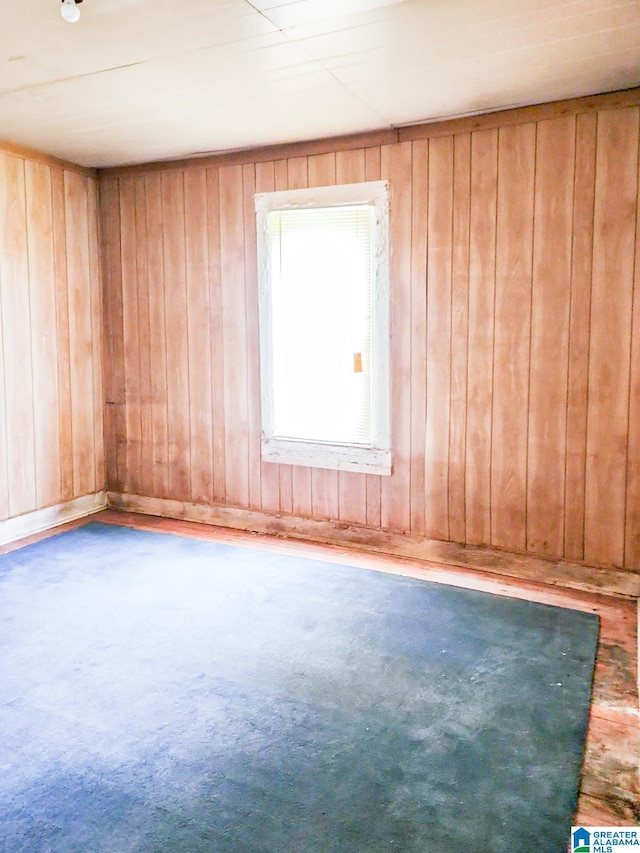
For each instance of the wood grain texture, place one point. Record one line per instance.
(460, 239)
(44, 343)
(609, 356)
(514, 377)
(199, 336)
(482, 273)
(418, 315)
(579, 329)
(234, 319)
(550, 308)
(396, 164)
(512, 335)
(51, 395)
(438, 379)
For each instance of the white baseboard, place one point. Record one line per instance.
(52, 516)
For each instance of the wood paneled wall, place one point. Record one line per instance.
(515, 337)
(51, 400)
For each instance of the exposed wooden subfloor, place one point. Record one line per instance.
(609, 791)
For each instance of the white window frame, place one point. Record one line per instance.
(376, 457)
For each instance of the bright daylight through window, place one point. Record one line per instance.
(323, 258)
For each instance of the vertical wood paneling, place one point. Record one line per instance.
(482, 272)
(253, 336)
(132, 479)
(217, 337)
(269, 472)
(550, 307)
(80, 333)
(609, 355)
(63, 355)
(51, 406)
(113, 370)
(440, 218)
(234, 319)
(418, 314)
(145, 475)
(516, 166)
(17, 337)
(177, 335)
(396, 168)
(95, 288)
(301, 498)
(44, 343)
(632, 531)
(515, 385)
(281, 178)
(579, 324)
(459, 335)
(199, 338)
(158, 334)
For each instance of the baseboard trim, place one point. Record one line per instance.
(560, 573)
(40, 520)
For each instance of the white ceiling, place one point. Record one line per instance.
(141, 80)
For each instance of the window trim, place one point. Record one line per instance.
(376, 457)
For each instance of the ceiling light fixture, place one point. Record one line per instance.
(69, 11)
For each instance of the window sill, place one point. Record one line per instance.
(337, 457)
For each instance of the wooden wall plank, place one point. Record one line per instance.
(44, 342)
(80, 333)
(281, 178)
(145, 475)
(177, 334)
(632, 528)
(133, 475)
(253, 335)
(95, 288)
(113, 334)
(396, 168)
(269, 471)
(158, 333)
(50, 407)
(579, 325)
(439, 253)
(546, 452)
(352, 487)
(199, 338)
(418, 313)
(17, 335)
(482, 272)
(516, 167)
(459, 336)
(219, 490)
(609, 355)
(234, 314)
(4, 449)
(301, 497)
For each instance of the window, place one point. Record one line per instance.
(323, 257)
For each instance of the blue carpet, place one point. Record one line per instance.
(168, 695)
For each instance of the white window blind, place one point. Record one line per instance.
(321, 269)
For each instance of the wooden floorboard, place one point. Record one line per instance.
(609, 789)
